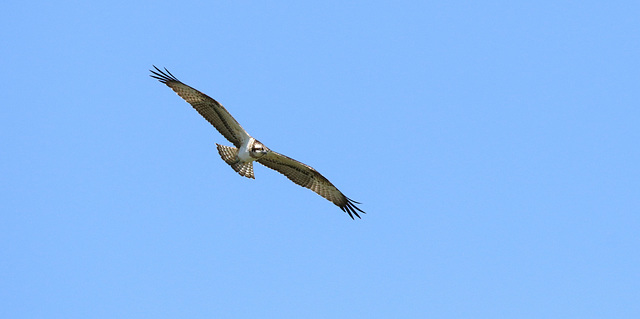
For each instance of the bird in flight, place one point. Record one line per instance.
(247, 149)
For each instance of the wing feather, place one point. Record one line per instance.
(209, 108)
(305, 176)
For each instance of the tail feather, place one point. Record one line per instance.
(244, 169)
(230, 156)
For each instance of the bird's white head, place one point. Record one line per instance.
(258, 150)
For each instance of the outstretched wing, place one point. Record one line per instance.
(306, 176)
(209, 108)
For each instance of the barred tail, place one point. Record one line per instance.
(230, 156)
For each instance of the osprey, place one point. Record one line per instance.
(247, 149)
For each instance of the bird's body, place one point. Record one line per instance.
(244, 153)
(247, 149)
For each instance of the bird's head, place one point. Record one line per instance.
(258, 150)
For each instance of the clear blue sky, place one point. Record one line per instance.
(494, 146)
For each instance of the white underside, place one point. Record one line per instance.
(243, 152)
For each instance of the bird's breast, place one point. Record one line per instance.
(244, 153)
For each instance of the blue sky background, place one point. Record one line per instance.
(494, 146)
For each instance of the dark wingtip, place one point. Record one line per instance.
(162, 76)
(350, 208)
